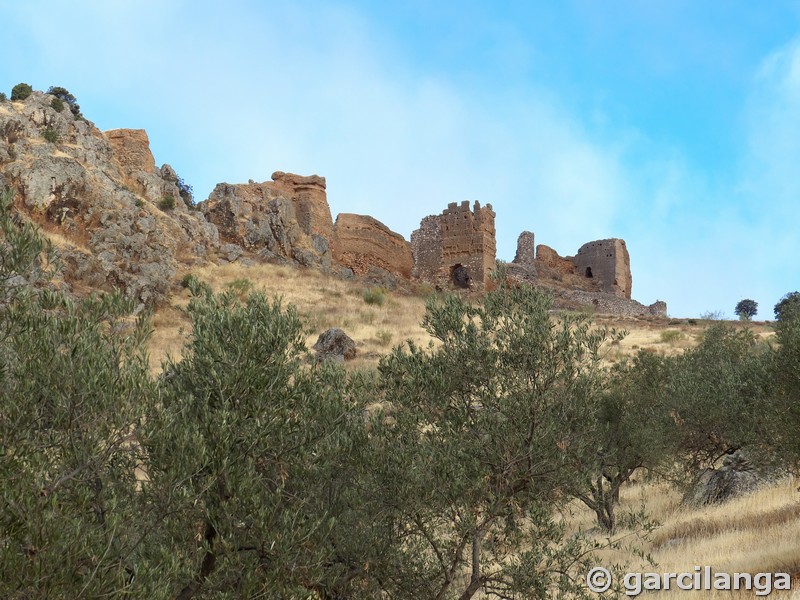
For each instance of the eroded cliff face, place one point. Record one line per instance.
(286, 219)
(103, 196)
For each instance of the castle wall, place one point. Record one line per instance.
(607, 261)
(457, 246)
(363, 241)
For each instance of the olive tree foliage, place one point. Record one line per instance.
(486, 434)
(786, 376)
(631, 431)
(719, 397)
(246, 448)
(72, 375)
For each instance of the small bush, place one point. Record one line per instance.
(692, 321)
(375, 296)
(384, 337)
(188, 280)
(3, 97)
(139, 203)
(167, 203)
(712, 315)
(185, 191)
(21, 91)
(51, 135)
(64, 95)
(671, 336)
(242, 287)
(57, 104)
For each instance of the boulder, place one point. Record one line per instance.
(734, 478)
(334, 344)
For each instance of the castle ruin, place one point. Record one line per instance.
(609, 262)
(457, 247)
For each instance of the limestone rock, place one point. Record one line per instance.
(131, 147)
(335, 344)
(101, 196)
(363, 242)
(285, 219)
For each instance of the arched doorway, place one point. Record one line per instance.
(459, 276)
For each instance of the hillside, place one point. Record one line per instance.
(120, 222)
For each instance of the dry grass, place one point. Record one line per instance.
(757, 533)
(321, 300)
(325, 301)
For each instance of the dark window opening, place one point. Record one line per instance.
(589, 272)
(459, 276)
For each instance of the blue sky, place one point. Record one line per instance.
(674, 125)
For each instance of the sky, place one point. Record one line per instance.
(674, 125)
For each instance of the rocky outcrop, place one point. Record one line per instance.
(282, 220)
(362, 242)
(734, 478)
(73, 181)
(131, 148)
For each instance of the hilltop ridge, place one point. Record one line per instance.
(122, 222)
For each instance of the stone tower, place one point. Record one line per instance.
(607, 261)
(457, 247)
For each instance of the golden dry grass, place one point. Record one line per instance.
(323, 302)
(757, 533)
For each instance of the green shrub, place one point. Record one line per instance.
(139, 203)
(375, 295)
(671, 336)
(57, 104)
(185, 191)
(21, 91)
(51, 135)
(384, 337)
(241, 286)
(3, 97)
(65, 96)
(167, 203)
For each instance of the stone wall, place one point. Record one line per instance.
(607, 261)
(426, 249)
(457, 247)
(548, 257)
(363, 242)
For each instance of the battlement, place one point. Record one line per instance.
(456, 247)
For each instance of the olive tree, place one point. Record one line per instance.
(485, 436)
(73, 375)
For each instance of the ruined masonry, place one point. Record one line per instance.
(457, 247)
(609, 261)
